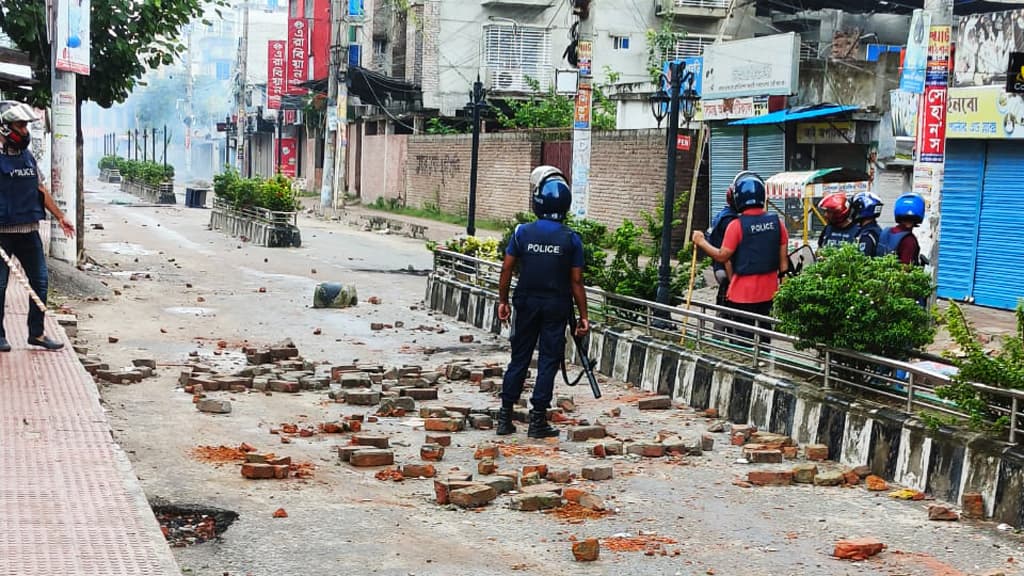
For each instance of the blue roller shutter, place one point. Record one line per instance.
(726, 161)
(961, 205)
(1000, 250)
(766, 150)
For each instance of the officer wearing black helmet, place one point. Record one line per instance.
(550, 260)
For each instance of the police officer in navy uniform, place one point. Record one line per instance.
(908, 211)
(24, 201)
(841, 227)
(866, 208)
(716, 234)
(550, 260)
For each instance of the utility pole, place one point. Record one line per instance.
(337, 104)
(930, 149)
(63, 142)
(477, 102)
(581, 140)
(243, 81)
(188, 106)
(280, 123)
(665, 268)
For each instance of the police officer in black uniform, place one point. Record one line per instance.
(550, 259)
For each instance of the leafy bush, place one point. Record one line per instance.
(108, 162)
(483, 248)
(140, 171)
(848, 300)
(1001, 369)
(274, 194)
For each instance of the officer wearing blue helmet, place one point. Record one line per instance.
(900, 240)
(550, 260)
(866, 209)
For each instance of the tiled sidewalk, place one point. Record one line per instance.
(70, 503)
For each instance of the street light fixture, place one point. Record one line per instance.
(679, 102)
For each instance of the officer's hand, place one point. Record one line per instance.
(504, 312)
(582, 327)
(697, 237)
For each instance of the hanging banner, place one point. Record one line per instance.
(298, 55)
(916, 60)
(584, 57)
(931, 143)
(289, 157)
(903, 108)
(73, 47)
(984, 113)
(982, 44)
(276, 67)
(583, 102)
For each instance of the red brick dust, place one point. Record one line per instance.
(218, 454)
(573, 513)
(918, 561)
(636, 543)
(302, 469)
(387, 474)
(508, 450)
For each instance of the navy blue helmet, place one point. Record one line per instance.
(551, 194)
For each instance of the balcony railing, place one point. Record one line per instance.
(708, 8)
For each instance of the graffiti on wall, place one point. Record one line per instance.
(445, 166)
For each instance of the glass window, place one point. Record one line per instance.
(620, 42)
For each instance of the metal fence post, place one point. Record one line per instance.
(910, 392)
(757, 347)
(828, 368)
(1013, 421)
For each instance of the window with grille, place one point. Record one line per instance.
(514, 54)
(691, 46)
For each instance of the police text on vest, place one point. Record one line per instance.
(544, 248)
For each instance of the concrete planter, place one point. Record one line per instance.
(896, 445)
(112, 175)
(164, 194)
(257, 225)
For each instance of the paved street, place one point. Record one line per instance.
(183, 289)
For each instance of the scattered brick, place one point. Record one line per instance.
(587, 550)
(584, 433)
(362, 397)
(816, 452)
(973, 505)
(764, 456)
(531, 479)
(597, 473)
(560, 476)
(592, 502)
(418, 471)
(501, 484)
(473, 496)
(540, 469)
(257, 471)
(598, 451)
(374, 440)
(789, 452)
(432, 452)
(372, 457)
(442, 425)
(942, 513)
(280, 513)
(876, 483)
(711, 413)
(440, 439)
(486, 466)
(213, 406)
(655, 403)
(850, 477)
(420, 393)
(466, 338)
(829, 478)
(770, 477)
(647, 450)
(535, 502)
(804, 473)
(481, 421)
(857, 549)
(443, 489)
(573, 494)
(707, 442)
(486, 451)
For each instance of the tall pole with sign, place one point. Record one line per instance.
(69, 55)
(930, 146)
(581, 118)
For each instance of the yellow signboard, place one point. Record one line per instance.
(986, 112)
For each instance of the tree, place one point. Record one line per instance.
(660, 45)
(552, 110)
(127, 37)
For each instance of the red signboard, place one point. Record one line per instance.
(298, 55)
(683, 142)
(320, 39)
(931, 142)
(277, 65)
(289, 157)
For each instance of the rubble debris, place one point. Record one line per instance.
(943, 513)
(280, 513)
(587, 550)
(857, 549)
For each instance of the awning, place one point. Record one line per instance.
(794, 184)
(793, 114)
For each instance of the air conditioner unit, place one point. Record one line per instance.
(506, 80)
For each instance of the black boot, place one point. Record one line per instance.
(505, 425)
(539, 427)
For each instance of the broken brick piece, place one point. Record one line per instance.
(857, 549)
(587, 550)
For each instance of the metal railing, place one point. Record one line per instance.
(750, 339)
(259, 214)
(712, 4)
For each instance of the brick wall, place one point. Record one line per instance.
(383, 167)
(627, 174)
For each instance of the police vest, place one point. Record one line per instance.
(889, 243)
(719, 224)
(867, 239)
(20, 200)
(758, 251)
(544, 249)
(833, 236)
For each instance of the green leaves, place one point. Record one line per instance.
(848, 300)
(126, 36)
(552, 110)
(149, 173)
(274, 194)
(660, 45)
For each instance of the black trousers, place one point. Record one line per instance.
(537, 320)
(28, 249)
(762, 308)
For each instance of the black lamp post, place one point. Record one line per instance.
(477, 102)
(683, 102)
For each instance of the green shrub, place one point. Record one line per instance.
(140, 171)
(850, 301)
(1000, 369)
(108, 162)
(274, 194)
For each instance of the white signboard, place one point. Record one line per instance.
(765, 66)
(73, 36)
